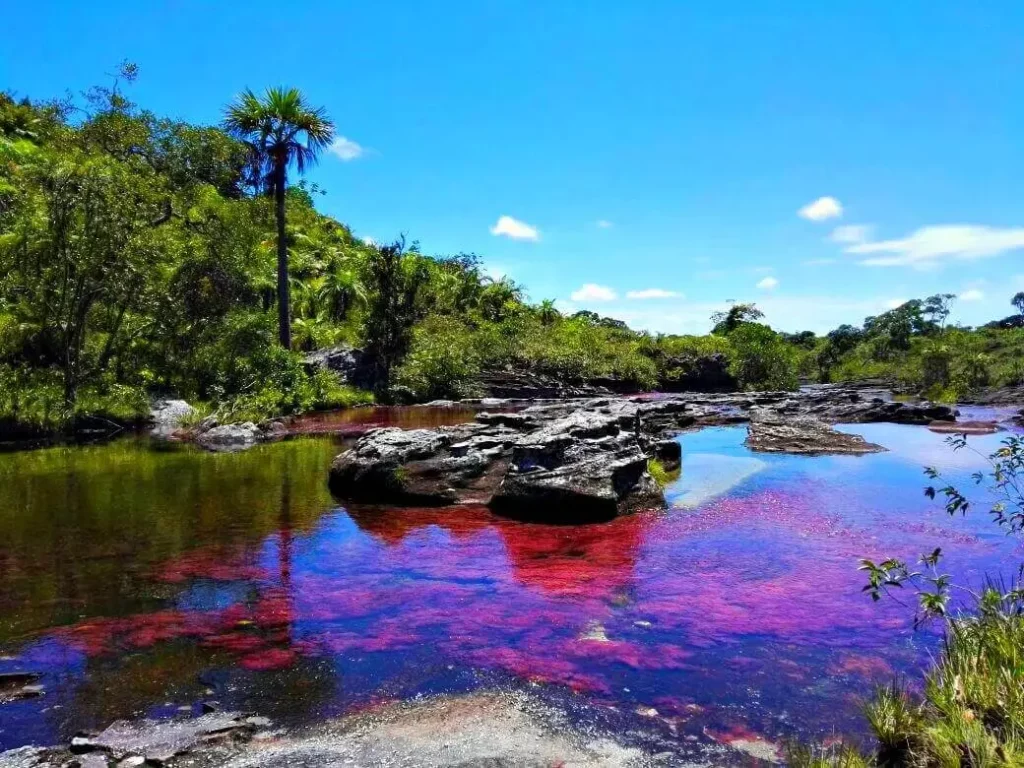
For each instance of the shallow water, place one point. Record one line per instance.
(141, 578)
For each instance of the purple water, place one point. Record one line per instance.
(738, 614)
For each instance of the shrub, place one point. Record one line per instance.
(761, 359)
(441, 364)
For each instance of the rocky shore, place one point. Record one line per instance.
(587, 460)
(488, 728)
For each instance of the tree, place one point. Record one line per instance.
(762, 359)
(937, 308)
(548, 312)
(1018, 301)
(727, 322)
(280, 130)
(395, 280)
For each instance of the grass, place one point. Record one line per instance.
(661, 475)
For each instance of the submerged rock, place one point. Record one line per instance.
(770, 434)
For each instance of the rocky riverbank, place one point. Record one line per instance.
(490, 728)
(587, 460)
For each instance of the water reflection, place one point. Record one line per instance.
(141, 581)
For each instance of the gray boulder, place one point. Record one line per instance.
(566, 480)
(167, 416)
(433, 467)
(230, 437)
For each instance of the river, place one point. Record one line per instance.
(148, 578)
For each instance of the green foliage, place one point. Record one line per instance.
(396, 279)
(442, 364)
(761, 358)
(1018, 301)
(662, 476)
(726, 322)
(142, 255)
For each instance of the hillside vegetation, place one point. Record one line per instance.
(142, 256)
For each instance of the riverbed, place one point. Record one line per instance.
(141, 578)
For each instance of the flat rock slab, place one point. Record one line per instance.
(965, 427)
(161, 740)
(804, 436)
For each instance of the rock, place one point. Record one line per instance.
(520, 421)
(1009, 395)
(494, 402)
(562, 480)
(25, 757)
(965, 427)
(586, 460)
(833, 407)
(669, 453)
(230, 437)
(15, 686)
(158, 741)
(440, 404)
(91, 760)
(167, 416)
(17, 679)
(353, 365)
(770, 434)
(386, 466)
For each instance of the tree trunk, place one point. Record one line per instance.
(284, 319)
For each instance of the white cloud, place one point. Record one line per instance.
(973, 294)
(929, 246)
(893, 303)
(653, 293)
(821, 209)
(369, 241)
(604, 224)
(515, 229)
(346, 149)
(594, 292)
(851, 233)
(768, 284)
(819, 262)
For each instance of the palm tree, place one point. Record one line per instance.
(340, 290)
(280, 129)
(548, 312)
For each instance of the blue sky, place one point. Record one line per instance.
(651, 158)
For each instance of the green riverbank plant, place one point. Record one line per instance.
(971, 710)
